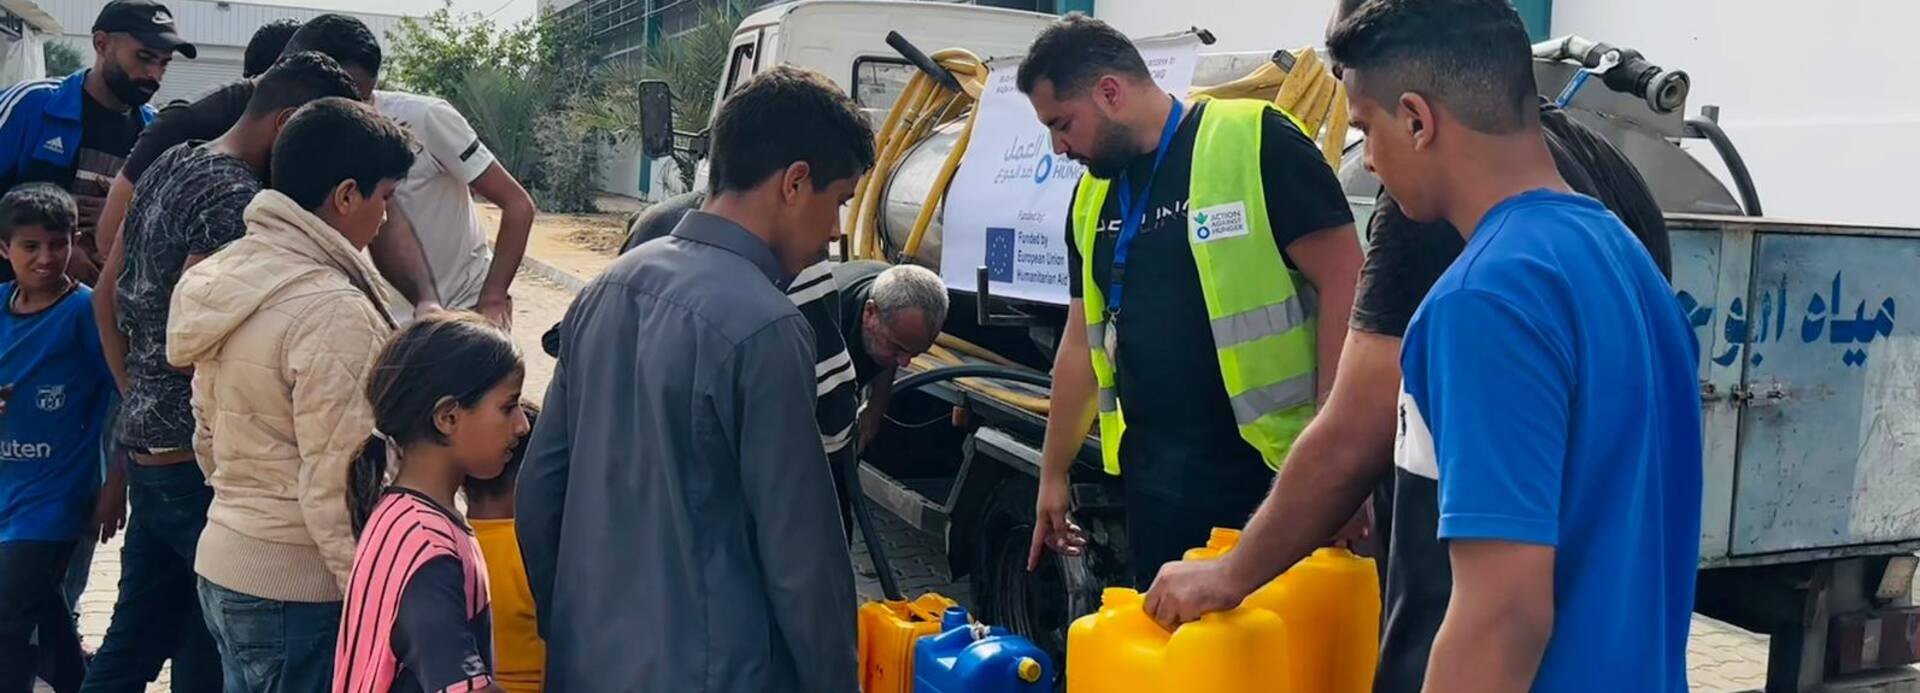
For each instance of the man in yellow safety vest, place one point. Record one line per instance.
(1213, 265)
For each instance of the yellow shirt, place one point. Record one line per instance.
(519, 656)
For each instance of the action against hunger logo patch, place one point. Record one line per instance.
(1209, 224)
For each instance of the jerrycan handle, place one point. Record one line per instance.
(1121, 597)
(1223, 538)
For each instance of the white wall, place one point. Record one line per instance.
(619, 173)
(1812, 93)
(1238, 25)
(219, 29)
(620, 169)
(216, 22)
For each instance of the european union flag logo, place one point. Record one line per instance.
(1000, 255)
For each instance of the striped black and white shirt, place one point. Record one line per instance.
(817, 296)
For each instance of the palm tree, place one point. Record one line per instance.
(503, 108)
(691, 63)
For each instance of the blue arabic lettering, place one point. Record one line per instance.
(1826, 313)
(1736, 333)
(1823, 315)
(1697, 315)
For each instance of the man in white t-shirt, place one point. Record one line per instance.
(449, 162)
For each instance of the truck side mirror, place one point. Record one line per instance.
(656, 118)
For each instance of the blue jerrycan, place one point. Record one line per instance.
(968, 657)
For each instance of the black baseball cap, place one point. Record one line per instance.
(146, 20)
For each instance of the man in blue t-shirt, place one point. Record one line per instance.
(54, 391)
(1548, 410)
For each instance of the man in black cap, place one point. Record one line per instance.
(76, 132)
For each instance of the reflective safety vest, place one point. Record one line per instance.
(1263, 334)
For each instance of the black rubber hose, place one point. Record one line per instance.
(976, 370)
(919, 58)
(862, 514)
(1736, 166)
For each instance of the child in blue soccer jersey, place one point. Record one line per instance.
(54, 390)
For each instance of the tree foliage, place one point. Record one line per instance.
(508, 81)
(62, 59)
(573, 164)
(538, 95)
(502, 108)
(691, 63)
(434, 55)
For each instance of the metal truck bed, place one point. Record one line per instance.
(1810, 386)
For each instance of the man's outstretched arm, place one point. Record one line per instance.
(403, 262)
(509, 244)
(1334, 464)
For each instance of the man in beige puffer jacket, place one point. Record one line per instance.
(281, 329)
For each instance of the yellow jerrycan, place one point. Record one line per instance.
(1331, 605)
(1119, 649)
(888, 630)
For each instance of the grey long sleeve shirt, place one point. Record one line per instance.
(675, 511)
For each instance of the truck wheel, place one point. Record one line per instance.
(1040, 604)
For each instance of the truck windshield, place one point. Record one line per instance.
(878, 82)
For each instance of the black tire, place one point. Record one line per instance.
(1040, 604)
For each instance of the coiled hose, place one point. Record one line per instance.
(1296, 81)
(922, 106)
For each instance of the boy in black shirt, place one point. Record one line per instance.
(191, 207)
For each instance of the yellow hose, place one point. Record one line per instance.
(966, 348)
(939, 357)
(1308, 91)
(922, 107)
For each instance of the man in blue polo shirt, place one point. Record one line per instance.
(1548, 410)
(75, 132)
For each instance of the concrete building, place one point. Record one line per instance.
(24, 27)
(219, 29)
(621, 30)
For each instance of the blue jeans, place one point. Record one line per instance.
(271, 646)
(157, 614)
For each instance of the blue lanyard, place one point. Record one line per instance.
(1131, 218)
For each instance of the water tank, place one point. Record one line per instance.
(906, 191)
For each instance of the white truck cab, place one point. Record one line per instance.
(846, 41)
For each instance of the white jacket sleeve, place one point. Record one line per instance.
(330, 355)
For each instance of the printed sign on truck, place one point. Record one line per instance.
(1007, 209)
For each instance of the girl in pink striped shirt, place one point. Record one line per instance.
(446, 401)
